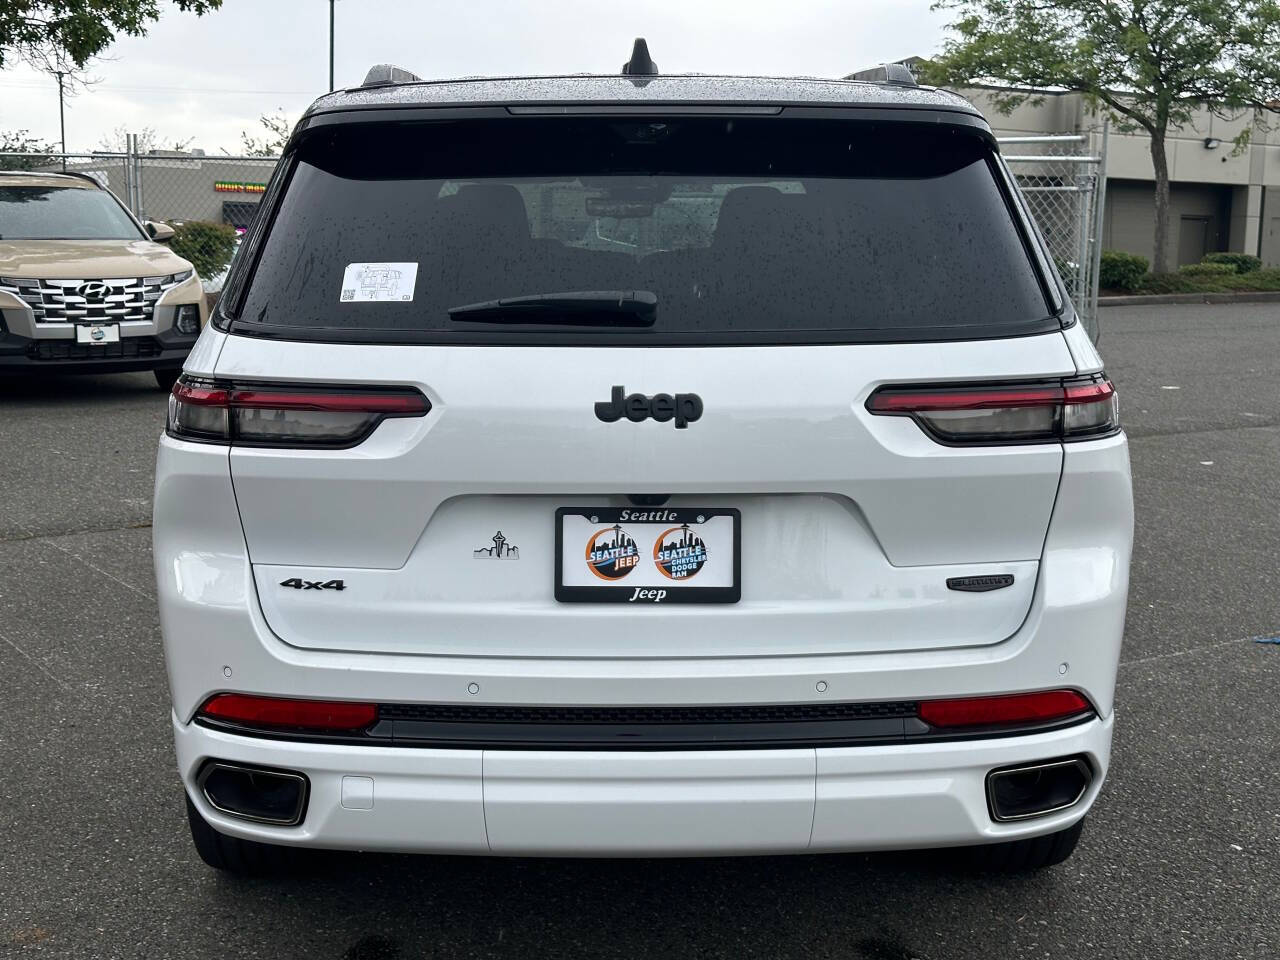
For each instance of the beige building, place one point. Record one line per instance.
(172, 185)
(1220, 199)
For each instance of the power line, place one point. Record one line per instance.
(36, 85)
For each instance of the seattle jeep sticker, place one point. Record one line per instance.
(611, 553)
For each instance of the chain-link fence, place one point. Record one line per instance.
(208, 200)
(1063, 181)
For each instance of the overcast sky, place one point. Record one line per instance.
(209, 78)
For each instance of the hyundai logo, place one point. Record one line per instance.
(94, 290)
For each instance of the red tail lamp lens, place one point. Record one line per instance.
(1004, 710)
(285, 415)
(289, 714)
(1062, 410)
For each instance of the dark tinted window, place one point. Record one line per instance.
(751, 229)
(62, 213)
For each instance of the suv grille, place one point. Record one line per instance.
(127, 349)
(91, 301)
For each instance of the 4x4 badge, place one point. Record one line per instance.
(684, 407)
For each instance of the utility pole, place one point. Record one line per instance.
(331, 3)
(62, 121)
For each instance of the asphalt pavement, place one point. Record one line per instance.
(1180, 858)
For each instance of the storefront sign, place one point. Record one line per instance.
(238, 186)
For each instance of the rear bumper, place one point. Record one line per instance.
(667, 803)
(658, 802)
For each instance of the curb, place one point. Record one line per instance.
(1138, 300)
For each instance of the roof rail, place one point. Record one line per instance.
(381, 74)
(898, 73)
(640, 64)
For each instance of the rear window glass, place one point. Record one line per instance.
(739, 230)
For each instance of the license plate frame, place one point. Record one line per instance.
(650, 583)
(85, 333)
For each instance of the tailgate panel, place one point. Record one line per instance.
(851, 524)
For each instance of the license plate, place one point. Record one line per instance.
(648, 555)
(97, 333)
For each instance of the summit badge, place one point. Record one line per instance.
(502, 549)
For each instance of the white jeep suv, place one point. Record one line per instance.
(642, 465)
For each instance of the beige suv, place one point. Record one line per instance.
(85, 287)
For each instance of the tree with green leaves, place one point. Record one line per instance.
(117, 141)
(38, 153)
(278, 129)
(57, 31)
(1149, 64)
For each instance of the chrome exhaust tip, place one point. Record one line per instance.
(1037, 789)
(258, 794)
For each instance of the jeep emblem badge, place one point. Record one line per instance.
(685, 408)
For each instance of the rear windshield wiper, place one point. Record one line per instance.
(605, 308)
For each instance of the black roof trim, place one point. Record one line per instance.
(969, 120)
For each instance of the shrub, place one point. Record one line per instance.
(1177, 283)
(1187, 282)
(1121, 271)
(1240, 262)
(1264, 279)
(1208, 269)
(208, 246)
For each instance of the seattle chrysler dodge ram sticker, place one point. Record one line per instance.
(679, 553)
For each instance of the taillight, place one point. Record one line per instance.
(284, 415)
(286, 713)
(1040, 412)
(1005, 710)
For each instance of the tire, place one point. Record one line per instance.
(232, 854)
(1032, 853)
(166, 378)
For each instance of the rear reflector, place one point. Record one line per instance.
(285, 415)
(1020, 708)
(285, 713)
(1042, 412)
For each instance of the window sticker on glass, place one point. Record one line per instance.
(378, 282)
